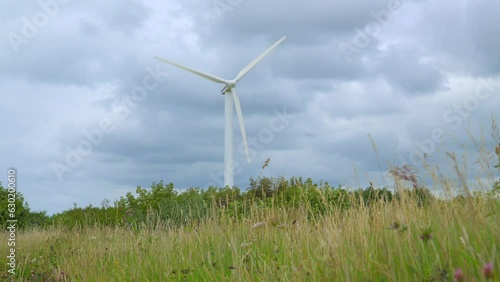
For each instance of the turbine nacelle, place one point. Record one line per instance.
(229, 85)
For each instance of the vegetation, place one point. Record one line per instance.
(276, 230)
(26, 218)
(279, 229)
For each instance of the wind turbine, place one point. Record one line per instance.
(229, 91)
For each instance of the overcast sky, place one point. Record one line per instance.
(88, 114)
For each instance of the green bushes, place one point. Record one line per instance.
(89, 216)
(24, 216)
(164, 204)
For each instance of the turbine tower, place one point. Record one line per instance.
(229, 91)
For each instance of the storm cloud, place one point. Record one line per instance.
(88, 114)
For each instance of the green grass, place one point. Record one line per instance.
(272, 244)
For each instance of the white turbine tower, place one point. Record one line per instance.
(230, 92)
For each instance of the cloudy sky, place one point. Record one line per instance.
(88, 114)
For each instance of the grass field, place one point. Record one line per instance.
(396, 241)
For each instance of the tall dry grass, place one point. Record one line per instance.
(397, 241)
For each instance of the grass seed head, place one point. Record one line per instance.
(258, 224)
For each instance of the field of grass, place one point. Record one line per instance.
(387, 241)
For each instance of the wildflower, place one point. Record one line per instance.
(426, 235)
(459, 275)
(488, 270)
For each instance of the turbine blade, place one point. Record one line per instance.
(242, 124)
(202, 74)
(250, 66)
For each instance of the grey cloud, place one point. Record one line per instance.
(463, 35)
(127, 15)
(329, 16)
(404, 67)
(92, 54)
